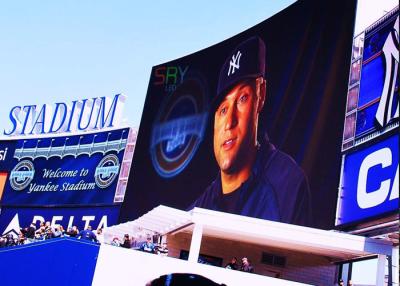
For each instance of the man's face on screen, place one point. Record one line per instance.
(235, 126)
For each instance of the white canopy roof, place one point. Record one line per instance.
(337, 246)
(159, 220)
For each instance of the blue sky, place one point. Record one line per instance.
(56, 51)
(59, 51)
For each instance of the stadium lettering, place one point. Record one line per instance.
(368, 199)
(80, 186)
(3, 154)
(59, 173)
(59, 219)
(49, 187)
(86, 114)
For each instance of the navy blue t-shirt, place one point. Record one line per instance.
(87, 235)
(277, 190)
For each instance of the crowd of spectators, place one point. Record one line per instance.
(162, 249)
(46, 231)
(245, 266)
(147, 246)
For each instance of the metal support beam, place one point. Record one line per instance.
(196, 243)
(380, 272)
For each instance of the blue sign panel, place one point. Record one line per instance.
(11, 219)
(370, 182)
(7, 149)
(378, 101)
(72, 170)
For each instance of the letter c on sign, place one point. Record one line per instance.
(366, 200)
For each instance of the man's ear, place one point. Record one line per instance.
(262, 94)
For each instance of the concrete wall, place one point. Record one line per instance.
(300, 267)
(121, 266)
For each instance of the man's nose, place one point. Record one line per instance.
(231, 118)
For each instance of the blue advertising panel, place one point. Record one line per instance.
(378, 101)
(97, 217)
(7, 149)
(370, 182)
(68, 170)
(373, 93)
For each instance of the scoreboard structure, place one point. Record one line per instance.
(369, 181)
(69, 179)
(368, 196)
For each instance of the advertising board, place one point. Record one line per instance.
(373, 95)
(370, 181)
(65, 170)
(369, 185)
(12, 219)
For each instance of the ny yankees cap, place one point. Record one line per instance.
(246, 61)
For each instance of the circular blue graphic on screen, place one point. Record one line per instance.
(179, 128)
(22, 175)
(106, 171)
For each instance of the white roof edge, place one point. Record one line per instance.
(167, 220)
(333, 240)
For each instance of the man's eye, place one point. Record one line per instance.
(243, 98)
(223, 111)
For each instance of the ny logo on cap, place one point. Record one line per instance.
(234, 63)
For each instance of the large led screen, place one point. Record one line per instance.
(252, 125)
(64, 171)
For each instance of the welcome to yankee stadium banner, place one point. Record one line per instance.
(69, 170)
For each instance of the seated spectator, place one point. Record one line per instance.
(72, 231)
(134, 242)
(10, 241)
(29, 232)
(233, 264)
(87, 234)
(69, 229)
(39, 234)
(21, 239)
(56, 232)
(116, 241)
(127, 241)
(163, 249)
(3, 241)
(48, 233)
(148, 246)
(62, 229)
(246, 266)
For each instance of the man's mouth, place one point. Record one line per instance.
(228, 144)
